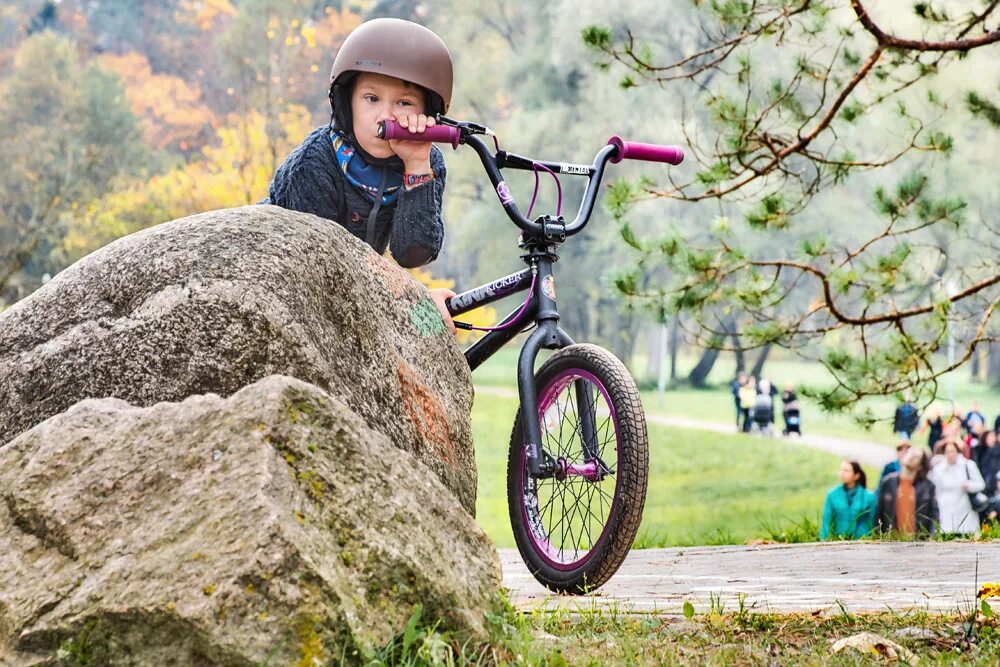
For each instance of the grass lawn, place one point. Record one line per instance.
(704, 488)
(715, 404)
(725, 636)
(749, 637)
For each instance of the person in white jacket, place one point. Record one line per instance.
(955, 477)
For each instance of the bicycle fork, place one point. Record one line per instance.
(548, 335)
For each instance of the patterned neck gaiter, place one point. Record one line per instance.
(362, 175)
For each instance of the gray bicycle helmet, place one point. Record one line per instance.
(397, 48)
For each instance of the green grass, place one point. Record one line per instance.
(732, 632)
(715, 404)
(704, 488)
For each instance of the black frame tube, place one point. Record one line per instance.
(540, 307)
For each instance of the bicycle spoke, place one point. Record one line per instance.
(573, 512)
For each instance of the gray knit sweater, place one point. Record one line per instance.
(311, 181)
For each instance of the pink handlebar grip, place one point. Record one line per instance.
(631, 150)
(446, 134)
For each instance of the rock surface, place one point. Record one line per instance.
(272, 525)
(216, 301)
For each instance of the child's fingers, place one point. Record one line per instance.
(438, 296)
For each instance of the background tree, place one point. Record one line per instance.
(521, 69)
(802, 96)
(66, 134)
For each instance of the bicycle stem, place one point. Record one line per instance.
(540, 229)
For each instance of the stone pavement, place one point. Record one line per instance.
(862, 576)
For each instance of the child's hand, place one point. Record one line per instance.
(416, 155)
(438, 296)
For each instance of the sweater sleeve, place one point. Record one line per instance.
(304, 182)
(417, 226)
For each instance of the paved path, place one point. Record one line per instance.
(863, 576)
(867, 453)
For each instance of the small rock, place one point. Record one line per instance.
(872, 645)
(916, 633)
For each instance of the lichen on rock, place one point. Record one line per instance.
(221, 531)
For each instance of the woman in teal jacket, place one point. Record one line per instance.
(849, 511)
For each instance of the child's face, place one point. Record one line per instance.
(377, 97)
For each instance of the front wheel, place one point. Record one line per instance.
(574, 529)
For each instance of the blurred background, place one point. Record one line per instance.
(116, 115)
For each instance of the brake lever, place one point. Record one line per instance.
(471, 128)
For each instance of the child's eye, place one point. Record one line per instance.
(371, 98)
(406, 103)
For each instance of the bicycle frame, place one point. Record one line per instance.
(540, 239)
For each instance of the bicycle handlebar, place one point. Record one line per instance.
(632, 150)
(616, 151)
(446, 134)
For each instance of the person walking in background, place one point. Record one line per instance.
(906, 419)
(790, 411)
(935, 427)
(907, 505)
(748, 399)
(763, 410)
(974, 417)
(993, 511)
(973, 440)
(849, 510)
(772, 391)
(952, 426)
(736, 385)
(896, 464)
(989, 460)
(954, 478)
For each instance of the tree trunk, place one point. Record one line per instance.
(622, 336)
(758, 366)
(993, 365)
(704, 366)
(699, 374)
(741, 362)
(975, 366)
(654, 348)
(674, 343)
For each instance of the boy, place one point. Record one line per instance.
(386, 193)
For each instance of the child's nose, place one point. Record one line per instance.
(385, 113)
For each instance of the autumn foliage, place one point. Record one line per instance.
(198, 103)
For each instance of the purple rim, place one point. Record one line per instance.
(542, 546)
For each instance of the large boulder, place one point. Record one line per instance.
(216, 301)
(272, 527)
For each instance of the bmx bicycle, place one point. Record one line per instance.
(578, 460)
